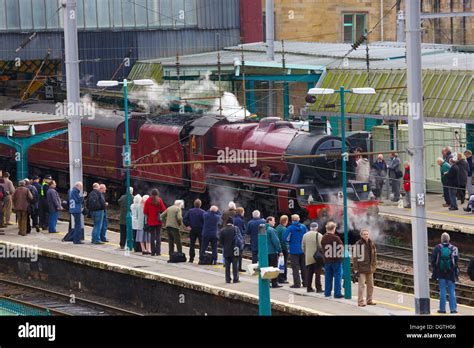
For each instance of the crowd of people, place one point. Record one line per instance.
(455, 170)
(308, 250)
(36, 204)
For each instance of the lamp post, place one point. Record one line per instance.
(345, 158)
(264, 306)
(127, 156)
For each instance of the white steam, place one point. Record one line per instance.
(356, 221)
(161, 96)
(221, 196)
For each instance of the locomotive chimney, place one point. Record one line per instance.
(317, 126)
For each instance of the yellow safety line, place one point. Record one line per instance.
(453, 215)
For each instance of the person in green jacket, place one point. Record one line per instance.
(280, 230)
(173, 221)
(274, 247)
(444, 168)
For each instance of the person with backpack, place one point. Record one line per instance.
(444, 263)
(274, 247)
(394, 174)
(365, 264)
(333, 254)
(313, 257)
(239, 222)
(96, 207)
(32, 220)
(231, 241)
(294, 236)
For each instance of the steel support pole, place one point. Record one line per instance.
(416, 149)
(270, 29)
(73, 91)
(345, 157)
(126, 162)
(264, 307)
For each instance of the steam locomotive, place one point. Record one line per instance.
(267, 165)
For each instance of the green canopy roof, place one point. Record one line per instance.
(448, 95)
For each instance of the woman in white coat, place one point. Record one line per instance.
(143, 237)
(134, 209)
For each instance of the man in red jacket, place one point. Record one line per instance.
(154, 206)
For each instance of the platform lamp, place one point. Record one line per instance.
(126, 149)
(345, 158)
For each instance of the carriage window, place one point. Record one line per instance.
(94, 144)
(91, 143)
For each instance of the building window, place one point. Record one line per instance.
(354, 26)
(18, 15)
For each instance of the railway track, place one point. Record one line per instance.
(404, 255)
(393, 253)
(56, 303)
(386, 278)
(400, 281)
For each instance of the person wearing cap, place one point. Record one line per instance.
(43, 208)
(21, 199)
(172, 219)
(54, 206)
(32, 208)
(312, 242)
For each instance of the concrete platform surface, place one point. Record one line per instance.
(438, 217)
(389, 302)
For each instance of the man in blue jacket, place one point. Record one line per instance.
(212, 218)
(274, 247)
(294, 235)
(75, 209)
(241, 225)
(194, 220)
(252, 230)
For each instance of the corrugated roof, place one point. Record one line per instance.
(383, 55)
(448, 95)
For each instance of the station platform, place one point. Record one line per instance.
(210, 278)
(438, 217)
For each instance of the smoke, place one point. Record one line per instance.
(160, 96)
(221, 196)
(356, 221)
